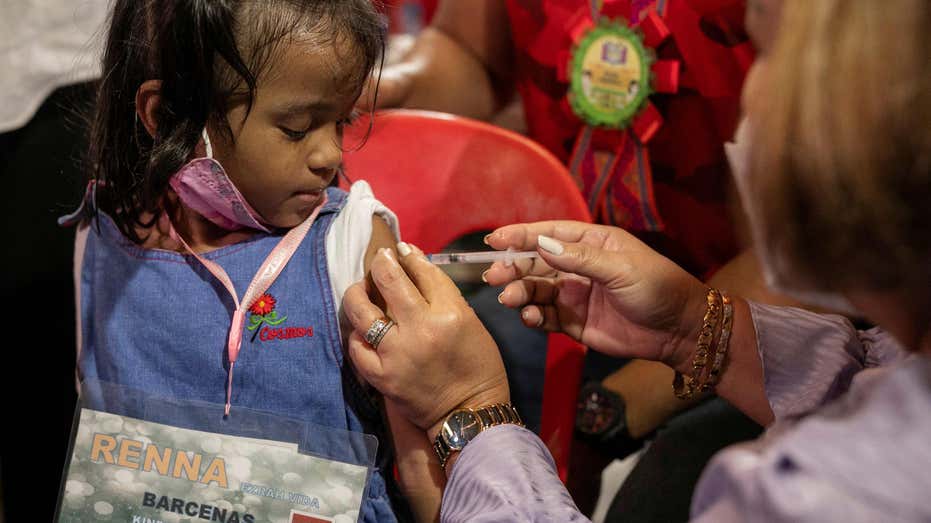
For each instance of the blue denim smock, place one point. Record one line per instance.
(158, 321)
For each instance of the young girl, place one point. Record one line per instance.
(212, 258)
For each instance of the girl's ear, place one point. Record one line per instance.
(147, 99)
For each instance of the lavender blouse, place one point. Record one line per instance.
(851, 441)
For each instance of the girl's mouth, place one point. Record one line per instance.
(309, 196)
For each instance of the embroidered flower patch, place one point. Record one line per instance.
(263, 312)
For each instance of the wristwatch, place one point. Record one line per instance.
(463, 425)
(600, 413)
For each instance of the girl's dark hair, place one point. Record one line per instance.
(208, 55)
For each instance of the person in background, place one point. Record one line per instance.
(836, 192)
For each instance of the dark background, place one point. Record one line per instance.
(41, 169)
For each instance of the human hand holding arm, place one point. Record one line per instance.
(420, 476)
(438, 358)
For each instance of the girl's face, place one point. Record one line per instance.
(287, 150)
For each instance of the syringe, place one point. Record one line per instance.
(508, 257)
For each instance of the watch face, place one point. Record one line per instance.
(596, 412)
(460, 428)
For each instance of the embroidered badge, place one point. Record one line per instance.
(264, 321)
(263, 312)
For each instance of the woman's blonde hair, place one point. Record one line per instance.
(842, 144)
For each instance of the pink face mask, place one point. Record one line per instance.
(203, 185)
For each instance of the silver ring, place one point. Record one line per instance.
(377, 331)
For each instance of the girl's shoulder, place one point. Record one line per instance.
(359, 203)
(351, 232)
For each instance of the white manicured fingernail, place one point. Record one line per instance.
(525, 314)
(550, 245)
(404, 249)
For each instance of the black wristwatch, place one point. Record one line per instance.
(601, 415)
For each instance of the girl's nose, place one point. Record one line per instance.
(326, 151)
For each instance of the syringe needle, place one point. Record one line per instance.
(446, 258)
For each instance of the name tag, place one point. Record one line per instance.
(130, 470)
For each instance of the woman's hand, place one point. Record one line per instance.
(438, 357)
(603, 287)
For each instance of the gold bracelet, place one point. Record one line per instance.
(714, 374)
(684, 387)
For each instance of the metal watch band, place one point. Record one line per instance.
(490, 416)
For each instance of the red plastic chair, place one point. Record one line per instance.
(447, 176)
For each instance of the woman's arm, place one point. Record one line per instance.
(809, 359)
(741, 382)
(644, 385)
(507, 474)
(610, 291)
(607, 289)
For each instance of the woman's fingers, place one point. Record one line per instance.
(433, 284)
(523, 236)
(358, 306)
(551, 321)
(401, 296)
(542, 291)
(537, 299)
(362, 313)
(366, 360)
(584, 259)
(360, 310)
(542, 317)
(532, 316)
(594, 251)
(500, 273)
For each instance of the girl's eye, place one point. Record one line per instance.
(292, 134)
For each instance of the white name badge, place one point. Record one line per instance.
(126, 469)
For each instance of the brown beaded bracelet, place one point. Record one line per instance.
(684, 387)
